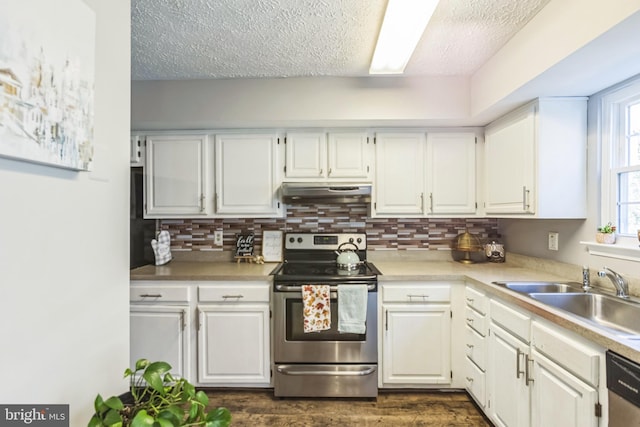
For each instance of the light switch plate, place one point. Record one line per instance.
(553, 241)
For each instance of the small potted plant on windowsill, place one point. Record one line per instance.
(156, 398)
(606, 234)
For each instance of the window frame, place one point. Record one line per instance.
(613, 143)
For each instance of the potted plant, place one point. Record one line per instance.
(156, 398)
(606, 234)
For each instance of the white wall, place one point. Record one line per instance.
(296, 102)
(64, 264)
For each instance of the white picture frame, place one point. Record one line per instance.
(272, 245)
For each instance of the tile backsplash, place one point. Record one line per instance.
(382, 233)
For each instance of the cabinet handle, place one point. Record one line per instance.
(470, 300)
(528, 369)
(423, 296)
(225, 297)
(469, 345)
(386, 320)
(431, 202)
(525, 198)
(183, 314)
(320, 172)
(469, 319)
(518, 354)
(199, 314)
(150, 295)
(469, 379)
(201, 202)
(329, 171)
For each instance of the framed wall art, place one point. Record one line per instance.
(47, 72)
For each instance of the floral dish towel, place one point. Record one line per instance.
(316, 305)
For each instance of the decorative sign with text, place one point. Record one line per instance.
(244, 245)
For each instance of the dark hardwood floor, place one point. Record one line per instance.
(398, 409)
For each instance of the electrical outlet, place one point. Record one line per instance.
(217, 237)
(553, 241)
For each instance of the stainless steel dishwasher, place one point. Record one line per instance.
(623, 382)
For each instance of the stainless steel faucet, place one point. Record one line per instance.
(622, 287)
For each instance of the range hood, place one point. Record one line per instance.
(326, 192)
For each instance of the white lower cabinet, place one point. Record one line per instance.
(233, 334)
(227, 343)
(475, 344)
(538, 374)
(160, 325)
(416, 335)
(161, 333)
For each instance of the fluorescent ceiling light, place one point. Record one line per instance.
(403, 25)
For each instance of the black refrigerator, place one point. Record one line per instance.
(142, 231)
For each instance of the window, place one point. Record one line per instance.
(621, 159)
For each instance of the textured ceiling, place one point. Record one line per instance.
(199, 39)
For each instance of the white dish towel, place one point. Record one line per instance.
(162, 248)
(352, 309)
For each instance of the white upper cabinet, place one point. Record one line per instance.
(451, 173)
(399, 184)
(535, 161)
(306, 155)
(178, 176)
(349, 155)
(333, 156)
(425, 174)
(247, 177)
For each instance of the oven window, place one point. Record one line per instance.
(295, 325)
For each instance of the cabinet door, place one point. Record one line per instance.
(175, 175)
(451, 173)
(508, 394)
(233, 344)
(161, 333)
(509, 164)
(306, 155)
(348, 155)
(560, 398)
(416, 344)
(399, 174)
(246, 174)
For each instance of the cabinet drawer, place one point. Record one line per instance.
(475, 299)
(475, 321)
(416, 293)
(234, 292)
(572, 355)
(510, 319)
(159, 293)
(475, 347)
(475, 382)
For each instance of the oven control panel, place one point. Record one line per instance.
(325, 241)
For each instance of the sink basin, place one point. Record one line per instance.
(540, 287)
(618, 316)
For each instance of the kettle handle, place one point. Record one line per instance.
(346, 243)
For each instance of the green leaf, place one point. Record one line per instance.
(193, 412)
(154, 380)
(98, 405)
(201, 397)
(95, 421)
(112, 418)
(127, 373)
(220, 417)
(173, 414)
(114, 403)
(158, 367)
(141, 364)
(142, 419)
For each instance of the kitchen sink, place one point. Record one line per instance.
(540, 287)
(611, 313)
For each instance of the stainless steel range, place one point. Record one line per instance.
(327, 363)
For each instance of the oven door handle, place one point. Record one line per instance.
(298, 288)
(296, 371)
